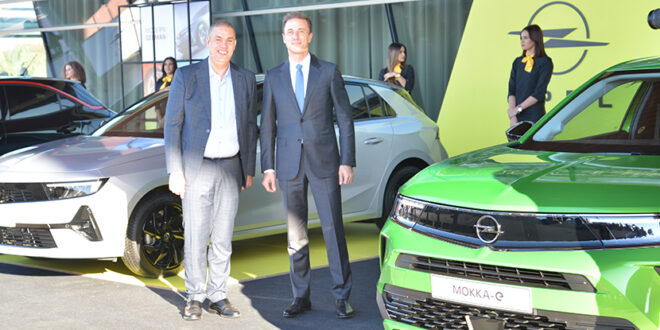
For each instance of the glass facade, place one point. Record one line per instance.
(349, 33)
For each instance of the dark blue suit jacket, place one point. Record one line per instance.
(283, 124)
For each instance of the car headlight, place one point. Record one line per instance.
(406, 211)
(65, 190)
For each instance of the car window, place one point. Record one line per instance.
(603, 117)
(145, 123)
(28, 101)
(80, 92)
(357, 100)
(388, 109)
(616, 114)
(376, 109)
(68, 105)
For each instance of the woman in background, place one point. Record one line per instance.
(397, 71)
(73, 70)
(168, 68)
(530, 75)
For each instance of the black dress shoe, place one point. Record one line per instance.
(224, 308)
(344, 309)
(298, 306)
(193, 311)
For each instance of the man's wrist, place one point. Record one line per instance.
(519, 109)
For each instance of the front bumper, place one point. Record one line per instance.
(625, 295)
(44, 228)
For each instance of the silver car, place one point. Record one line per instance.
(106, 195)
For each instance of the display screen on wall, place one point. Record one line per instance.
(168, 39)
(199, 28)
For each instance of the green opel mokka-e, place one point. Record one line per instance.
(558, 229)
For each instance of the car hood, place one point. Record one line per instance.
(502, 178)
(77, 157)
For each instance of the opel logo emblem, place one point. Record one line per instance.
(488, 229)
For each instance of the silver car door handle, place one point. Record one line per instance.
(374, 140)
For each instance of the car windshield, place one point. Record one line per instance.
(142, 119)
(77, 90)
(616, 114)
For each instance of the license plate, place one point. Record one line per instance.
(482, 294)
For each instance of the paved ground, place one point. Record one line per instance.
(33, 298)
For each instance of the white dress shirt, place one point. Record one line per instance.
(223, 138)
(305, 70)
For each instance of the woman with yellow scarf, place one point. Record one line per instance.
(168, 68)
(530, 76)
(397, 71)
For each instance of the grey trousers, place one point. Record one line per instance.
(327, 196)
(209, 209)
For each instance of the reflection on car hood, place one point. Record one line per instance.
(505, 179)
(81, 155)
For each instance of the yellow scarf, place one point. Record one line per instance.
(166, 80)
(529, 60)
(397, 68)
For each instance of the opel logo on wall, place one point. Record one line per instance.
(488, 229)
(575, 35)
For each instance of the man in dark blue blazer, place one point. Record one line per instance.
(210, 148)
(297, 117)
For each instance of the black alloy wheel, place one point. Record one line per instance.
(154, 239)
(162, 243)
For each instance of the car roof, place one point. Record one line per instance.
(640, 64)
(43, 80)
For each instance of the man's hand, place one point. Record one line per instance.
(269, 182)
(248, 182)
(177, 184)
(345, 174)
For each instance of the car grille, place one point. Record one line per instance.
(419, 309)
(497, 274)
(519, 231)
(21, 192)
(36, 236)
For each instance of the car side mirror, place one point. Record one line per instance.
(516, 132)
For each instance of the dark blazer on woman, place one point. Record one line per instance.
(523, 84)
(408, 73)
(159, 83)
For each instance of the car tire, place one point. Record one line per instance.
(154, 237)
(397, 179)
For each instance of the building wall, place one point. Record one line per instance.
(355, 37)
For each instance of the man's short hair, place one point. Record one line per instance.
(219, 23)
(296, 14)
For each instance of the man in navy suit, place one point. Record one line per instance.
(210, 148)
(297, 116)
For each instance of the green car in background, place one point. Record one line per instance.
(558, 229)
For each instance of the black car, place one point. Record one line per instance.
(36, 110)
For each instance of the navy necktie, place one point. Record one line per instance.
(300, 87)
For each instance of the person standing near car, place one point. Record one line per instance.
(210, 148)
(297, 116)
(168, 68)
(73, 70)
(397, 71)
(530, 76)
